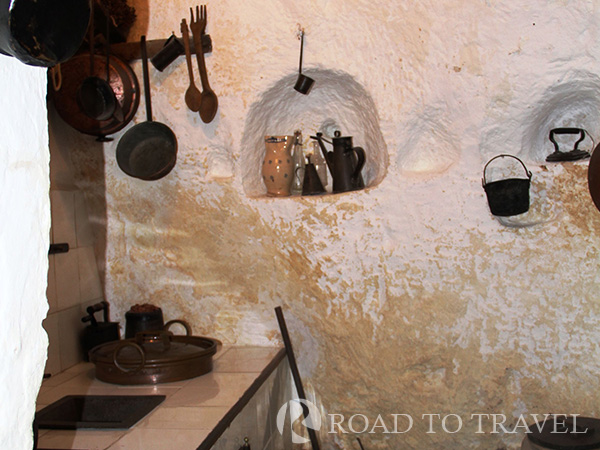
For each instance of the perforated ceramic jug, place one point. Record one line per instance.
(278, 167)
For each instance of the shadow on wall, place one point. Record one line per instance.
(336, 102)
(85, 172)
(574, 102)
(76, 279)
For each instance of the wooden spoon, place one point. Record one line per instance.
(210, 103)
(193, 97)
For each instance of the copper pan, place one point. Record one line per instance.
(594, 177)
(122, 80)
(153, 357)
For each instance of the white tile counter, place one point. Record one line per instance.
(191, 410)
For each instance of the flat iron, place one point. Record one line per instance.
(573, 155)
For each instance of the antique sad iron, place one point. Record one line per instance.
(573, 155)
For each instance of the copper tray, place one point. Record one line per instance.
(153, 357)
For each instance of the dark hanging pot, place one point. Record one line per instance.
(510, 196)
(43, 32)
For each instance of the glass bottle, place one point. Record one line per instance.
(298, 159)
(319, 161)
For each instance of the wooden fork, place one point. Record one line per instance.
(209, 104)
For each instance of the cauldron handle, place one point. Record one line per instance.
(527, 172)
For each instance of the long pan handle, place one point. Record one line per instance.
(146, 79)
(295, 373)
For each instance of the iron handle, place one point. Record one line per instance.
(360, 154)
(101, 306)
(484, 181)
(58, 248)
(567, 130)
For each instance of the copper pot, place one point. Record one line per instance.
(122, 80)
(154, 356)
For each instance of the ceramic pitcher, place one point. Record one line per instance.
(278, 167)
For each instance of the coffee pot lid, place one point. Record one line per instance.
(338, 135)
(561, 432)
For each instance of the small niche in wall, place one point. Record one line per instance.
(574, 102)
(336, 102)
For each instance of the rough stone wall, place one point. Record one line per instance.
(408, 297)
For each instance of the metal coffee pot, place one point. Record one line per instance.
(344, 162)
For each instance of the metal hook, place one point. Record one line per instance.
(301, 49)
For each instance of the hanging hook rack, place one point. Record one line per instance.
(129, 51)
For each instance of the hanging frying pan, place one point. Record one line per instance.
(42, 32)
(148, 150)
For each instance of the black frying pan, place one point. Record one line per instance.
(148, 150)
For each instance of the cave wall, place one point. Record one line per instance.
(407, 297)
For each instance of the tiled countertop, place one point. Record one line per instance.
(190, 411)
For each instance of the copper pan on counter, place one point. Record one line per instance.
(155, 356)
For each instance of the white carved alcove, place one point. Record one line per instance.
(336, 102)
(575, 103)
(571, 101)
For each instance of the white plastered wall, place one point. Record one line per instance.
(24, 240)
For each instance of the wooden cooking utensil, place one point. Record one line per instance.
(193, 96)
(210, 103)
